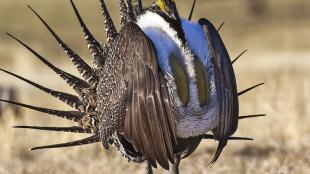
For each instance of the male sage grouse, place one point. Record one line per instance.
(158, 86)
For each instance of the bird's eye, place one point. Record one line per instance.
(202, 82)
(180, 78)
(161, 4)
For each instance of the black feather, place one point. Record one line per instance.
(249, 89)
(220, 27)
(94, 46)
(70, 115)
(211, 137)
(69, 99)
(84, 69)
(239, 56)
(76, 83)
(73, 129)
(192, 11)
(109, 25)
(251, 116)
(85, 141)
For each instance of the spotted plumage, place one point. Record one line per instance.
(157, 87)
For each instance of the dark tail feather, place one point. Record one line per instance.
(222, 144)
(123, 13)
(84, 69)
(76, 83)
(130, 10)
(139, 7)
(238, 56)
(109, 25)
(219, 150)
(220, 27)
(94, 46)
(211, 137)
(69, 99)
(249, 89)
(89, 140)
(70, 115)
(73, 129)
(192, 11)
(251, 116)
(241, 138)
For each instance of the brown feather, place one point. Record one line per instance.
(148, 126)
(226, 87)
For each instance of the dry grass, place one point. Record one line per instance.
(279, 55)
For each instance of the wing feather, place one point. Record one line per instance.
(148, 124)
(226, 88)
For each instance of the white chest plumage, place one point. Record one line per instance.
(193, 119)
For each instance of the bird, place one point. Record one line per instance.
(157, 88)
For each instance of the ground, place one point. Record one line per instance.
(277, 37)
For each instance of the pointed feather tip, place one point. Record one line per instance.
(35, 149)
(19, 127)
(29, 6)
(237, 58)
(209, 136)
(250, 89)
(220, 27)
(218, 152)
(8, 34)
(192, 11)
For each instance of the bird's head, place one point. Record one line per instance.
(168, 7)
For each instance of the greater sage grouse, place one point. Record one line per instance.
(158, 86)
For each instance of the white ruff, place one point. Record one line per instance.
(192, 120)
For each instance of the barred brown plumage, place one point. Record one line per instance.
(131, 100)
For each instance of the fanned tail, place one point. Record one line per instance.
(69, 115)
(94, 46)
(76, 83)
(109, 25)
(69, 99)
(84, 69)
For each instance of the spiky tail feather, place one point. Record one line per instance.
(109, 25)
(73, 129)
(85, 141)
(84, 69)
(96, 50)
(249, 89)
(82, 88)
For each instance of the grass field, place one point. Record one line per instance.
(279, 54)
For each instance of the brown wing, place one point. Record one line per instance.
(226, 88)
(148, 122)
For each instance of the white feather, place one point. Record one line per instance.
(192, 120)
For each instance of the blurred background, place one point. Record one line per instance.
(276, 33)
